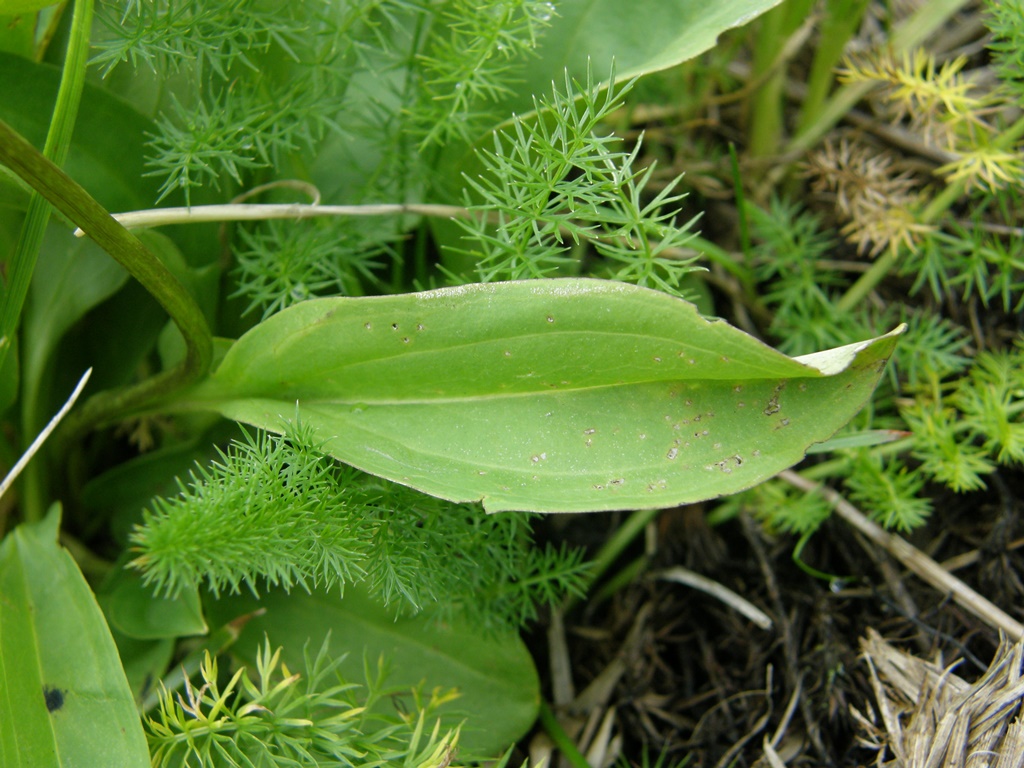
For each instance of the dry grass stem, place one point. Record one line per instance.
(931, 718)
(745, 607)
(914, 560)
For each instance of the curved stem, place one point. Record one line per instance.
(198, 214)
(68, 197)
(58, 141)
(23, 262)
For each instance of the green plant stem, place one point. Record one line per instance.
(766, 122)
(938, 205)
(23, 262)
(842, 17)
(770, 55)
(741, 208)
(868, 281)
(58, 141)
(912, 32)
(68, 197)
(620, 580)
(614, 546)
(558, 735)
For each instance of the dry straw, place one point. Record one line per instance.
(927, 717)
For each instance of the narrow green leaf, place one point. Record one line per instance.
(552, 396)
(499, 691)
(72, 277)
(863, 439)
(64, 699)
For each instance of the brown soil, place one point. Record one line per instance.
(695, 680)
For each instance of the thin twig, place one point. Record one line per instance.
(965, 559)
(562, 686)
(199, 214)
(41, 438)
(704, 584)
(914, 559)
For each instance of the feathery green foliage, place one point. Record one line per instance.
(1005, 21)
(889, 491)
(963, 434)
(953, 442)
(783, 508)
(970, 262)
(266, 80)
(314, 718)
(282, 263)
(275, 510)
(472, 63)
(268, 508)
(269, 81)
(381, 100)
(554, 183)
(789, 257)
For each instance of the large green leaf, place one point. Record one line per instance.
(106, 155)
(23, 6)
(552, 395)
(499, 692)
(64, 699)
(640, 37)
(589, 37)
(72, 276)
